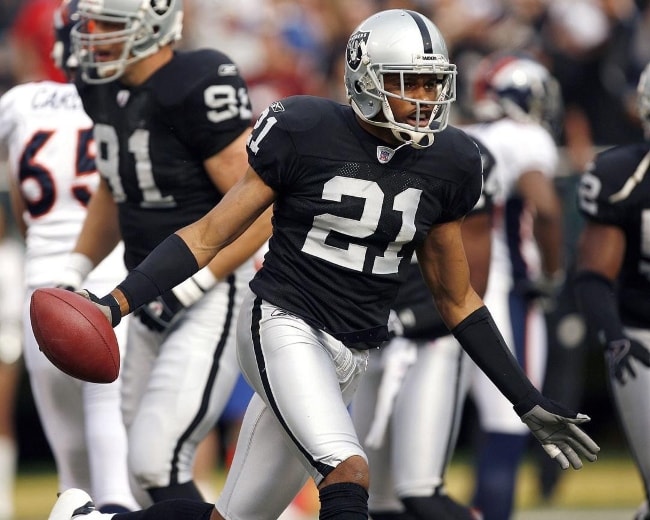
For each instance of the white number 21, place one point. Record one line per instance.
(354, 256)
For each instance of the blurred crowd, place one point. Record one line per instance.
(595, 48)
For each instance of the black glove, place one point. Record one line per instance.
(107, 304)
(619, 354)
(555, 427)
(160, 314)
(543, 289)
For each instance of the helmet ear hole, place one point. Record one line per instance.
(357, 87)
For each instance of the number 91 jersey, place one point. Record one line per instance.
(345, 222)
(153, 139)
(615, 191)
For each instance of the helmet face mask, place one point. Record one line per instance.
(138, 27)
(518, 87)
(643, 100)
(399, 44)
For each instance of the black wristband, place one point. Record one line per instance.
(110, 302)
(596, 300)
(169, 264)
(481, 339)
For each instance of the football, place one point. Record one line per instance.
(74, 335)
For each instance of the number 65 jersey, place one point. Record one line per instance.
(350, 211)
(37, 121)
(153, 139)
(615, 191)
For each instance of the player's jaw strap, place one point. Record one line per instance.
(481, 339)
(169, 264)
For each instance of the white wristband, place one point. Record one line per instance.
(192, 290)
(76, 270)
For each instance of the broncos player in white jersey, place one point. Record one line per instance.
(612, 282)
(515, 98)
(52, 176)
(356, 190)
(408, 407)
(170, 129)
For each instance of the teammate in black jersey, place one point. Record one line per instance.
(613, 278)
(355, 190)
(170, 130)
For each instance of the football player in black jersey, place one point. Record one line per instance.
(170, 130)
(356, 190)
(612, 281)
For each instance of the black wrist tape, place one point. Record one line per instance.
(169, 264)
(481, 339)
(596, 299)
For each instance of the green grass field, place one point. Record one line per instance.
(610, 489)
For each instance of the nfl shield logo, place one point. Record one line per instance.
(384, 154)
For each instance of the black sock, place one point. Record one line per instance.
(113, 508)
(187, 490)
(436, 507)
(343, 501)
(180, 509)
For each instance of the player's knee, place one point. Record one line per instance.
(353, 470)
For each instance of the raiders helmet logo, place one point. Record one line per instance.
(160, 7)
(353, 52)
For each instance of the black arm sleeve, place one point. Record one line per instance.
(169, 264)
(597, 302)
(481, 339)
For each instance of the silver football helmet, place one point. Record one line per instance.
(643, 100)
(519, 87)
(144, 27)
(401, 42)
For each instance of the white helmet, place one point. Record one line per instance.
(643, 100)
(517, 86)
(398, 41)
(148, 26)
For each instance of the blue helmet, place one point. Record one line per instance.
(519, 87)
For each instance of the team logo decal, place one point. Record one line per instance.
(160, 7)
(354, 50)
(277, 106)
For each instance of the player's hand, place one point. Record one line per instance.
(77, 268)
(544, 289)
(619, 354)
(555, 427)
(160, 314)
(107, 304)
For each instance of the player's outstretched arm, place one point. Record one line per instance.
(443, 264)
(183, 253)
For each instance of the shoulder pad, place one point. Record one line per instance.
(188, 70)
(299, 113)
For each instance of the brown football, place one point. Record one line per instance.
(74, 335)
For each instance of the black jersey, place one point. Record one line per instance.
(346, 224)
(610, 195)
(152, 141)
